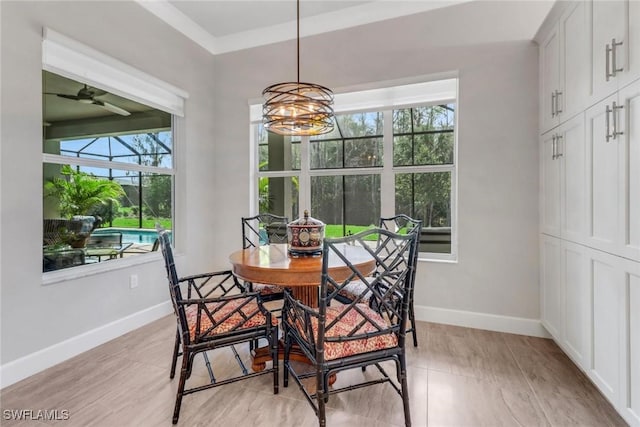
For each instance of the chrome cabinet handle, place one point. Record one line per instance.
(558, 152)
(607, 53)
(614, 68)
(558, 109)
(553, 147)
(553, 104)
(614, 113)
(610, 51)
(607, 111)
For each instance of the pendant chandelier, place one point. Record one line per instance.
(297, 108)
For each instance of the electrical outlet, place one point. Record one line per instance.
(133, 281)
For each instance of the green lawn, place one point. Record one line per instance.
(122, 222)
(336, 230)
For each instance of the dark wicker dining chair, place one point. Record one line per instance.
(214, 313)
(367, 331)
(402, 224)
(264, 229)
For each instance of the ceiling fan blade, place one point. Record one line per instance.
(97, 92)
(65, 96)
(111, 107)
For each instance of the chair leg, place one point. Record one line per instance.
(176, 348)
(412, 318)
(184, 372)
(287, 349)
(320, 398)
(402, 379)
(274, 356)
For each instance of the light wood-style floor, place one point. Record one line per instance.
(457, 377)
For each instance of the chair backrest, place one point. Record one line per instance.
(57, 230)
(387, 291)
(174, 281)
(263, 229)
(404, 224)
(199, 286)
(401, 223)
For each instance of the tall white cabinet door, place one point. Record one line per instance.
(632, 49)
(574, 60)
(575, 275)
(571, 147)
(549, 186)
(551, 286)
(633, 401)
(608, 290)
(549, 79)
(608, 23)
(602, 188)
(629, 159)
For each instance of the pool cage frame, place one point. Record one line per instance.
(83, 153)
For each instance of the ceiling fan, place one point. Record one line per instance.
(88, 95)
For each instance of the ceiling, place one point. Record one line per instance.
(228, 25)
(223, 26)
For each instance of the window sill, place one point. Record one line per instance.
(79, 272)
(439, 258)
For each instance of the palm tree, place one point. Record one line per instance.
(80, 192)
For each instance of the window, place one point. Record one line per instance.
(392, 150)
(107, 175)
(108, 149)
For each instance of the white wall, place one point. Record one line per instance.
(497, 272)
(35, 317)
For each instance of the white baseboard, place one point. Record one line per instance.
(490, 322)
(33, 363)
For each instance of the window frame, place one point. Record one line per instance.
(384, 100)
(74, 60)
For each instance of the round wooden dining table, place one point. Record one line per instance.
(272, 264)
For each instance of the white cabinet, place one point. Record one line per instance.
(615, 358)
(632, 409)
(563, 181)
(615, 45)
(552, 292)
(590, 192)
(629, 173)
(549, 185)
(633, 47)
(608, 290)
(575, 275)
(549, 79)
(572, 151)
(613, 157)
(564, 65)
(603, 158)
(566, 296)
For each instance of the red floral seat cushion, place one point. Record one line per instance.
(219, 310)
(336, 350)
(264, 289)
(354, 289)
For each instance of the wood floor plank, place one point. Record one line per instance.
(457, 376)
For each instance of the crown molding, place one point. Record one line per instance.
(376, 11)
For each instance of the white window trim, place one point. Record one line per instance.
(70, 58)
(384, 100)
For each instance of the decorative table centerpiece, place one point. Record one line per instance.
(305, 236)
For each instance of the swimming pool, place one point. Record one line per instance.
(142, 236)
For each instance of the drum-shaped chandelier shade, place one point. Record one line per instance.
(297, 108)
